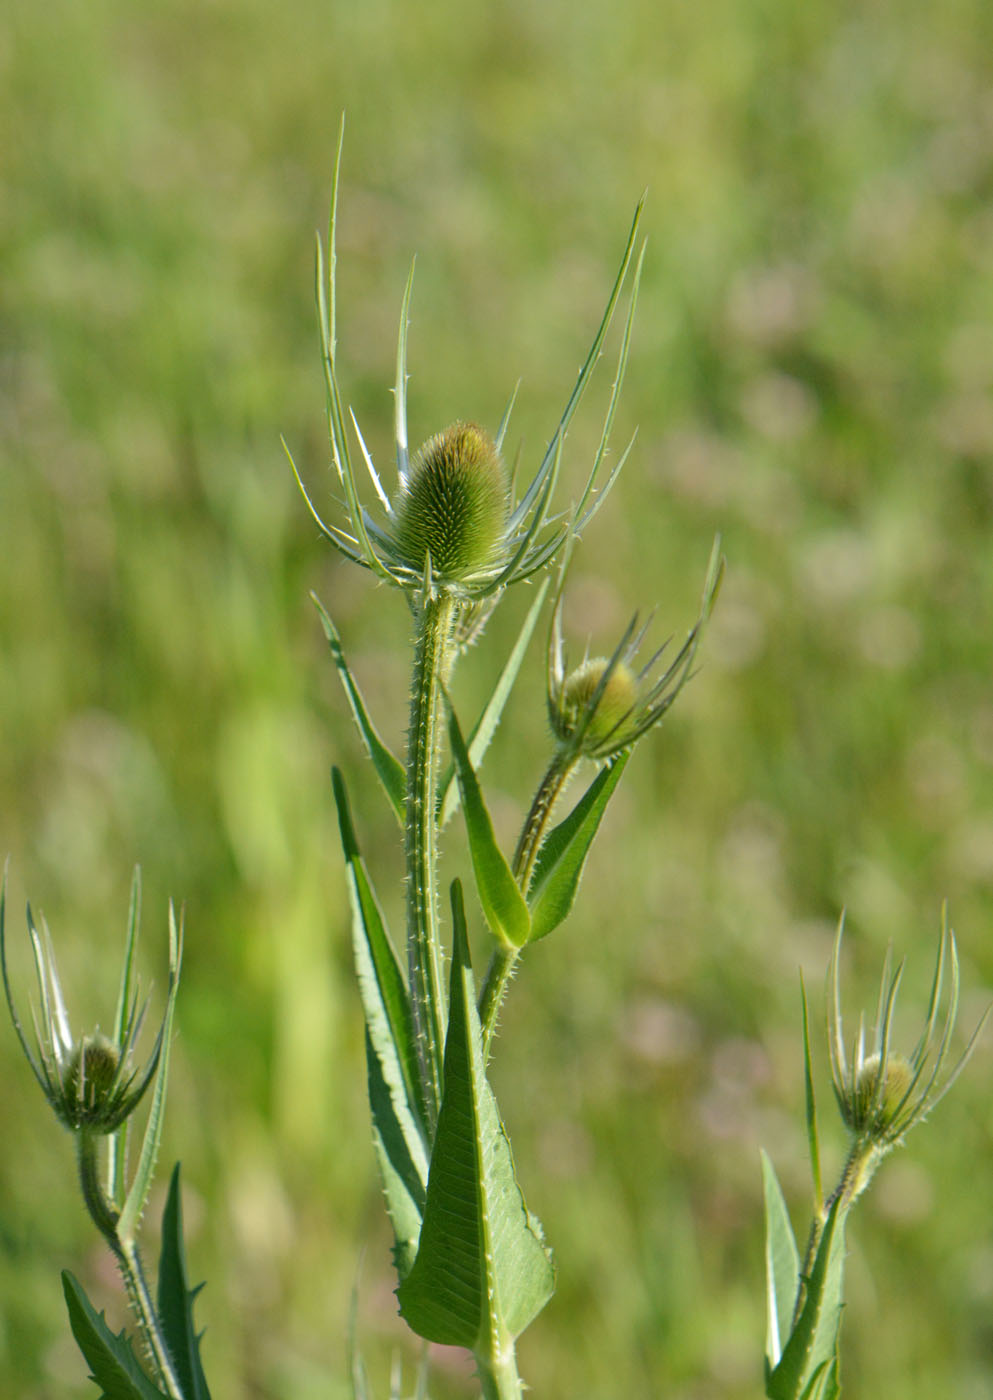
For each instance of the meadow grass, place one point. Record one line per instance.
(811, 375)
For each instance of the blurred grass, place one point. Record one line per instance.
(812, 376)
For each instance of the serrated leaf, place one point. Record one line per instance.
(394, 1096)
(482, 1271)
(563, 853)
(389, 769)
(110, 1357)
(504, 907)
(176, 1299)
(782, 1265)
(485, 727)
(813, 1343)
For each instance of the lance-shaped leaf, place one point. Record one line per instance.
(504, 907)
(563, 853)
(782, 1265)
(176, 1299)
(482, 1271)
(109, 1356)
(485, 727)
(145, 1170)
(391, 1054)
(389, 769)
(810, 1356)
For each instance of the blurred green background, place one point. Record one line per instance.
(811, 376)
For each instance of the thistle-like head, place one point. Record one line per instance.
(882, 1093)
(452, 524)
(605, 704)
(90, 1081)
(451, 514)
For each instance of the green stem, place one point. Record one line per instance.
(433, 656)
(862, 1160)
(498, 1376)
(504, 960)
(105, 1216)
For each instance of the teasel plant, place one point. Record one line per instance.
(95, 1088)
(452, 534)
(881, 1093)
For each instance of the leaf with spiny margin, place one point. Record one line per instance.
(110, 1358)
(503, 904)
(559, 866)
(389, 769)
(391, 1053)
(482, 1271)
(485, 727)
(782, 1265)
(176, 1299)
(813, 1343)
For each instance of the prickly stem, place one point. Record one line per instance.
(433, 655)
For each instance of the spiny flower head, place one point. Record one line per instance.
(882, 1093)
(90, 1081)
(605, 704)
(452, 524)
(453, 508)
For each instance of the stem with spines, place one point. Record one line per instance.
(105, 1216)
(434, 651)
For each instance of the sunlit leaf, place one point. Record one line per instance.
(559, 867)
(482, 1269)
(782, 1265)
(391, 1054)
(504, 906)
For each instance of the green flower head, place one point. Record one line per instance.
(605, 704)
(882, 1093)
(453, 523)
(91, 1081)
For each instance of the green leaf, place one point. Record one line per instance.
(389, 769)
(824, 1384)
(391, 1054)
(504, 907)
(110, 1358)
(486, 725)
(145, 1170)
(563, 853)
(482, 1271)
(813, 1344)
(782, 1265)
(176, 1299)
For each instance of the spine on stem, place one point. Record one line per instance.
(433, 654)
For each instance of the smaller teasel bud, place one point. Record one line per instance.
(602, 694)
(881, 1093)
(454, 505)
(90, 1081)
(878, 1095)
(604, 705)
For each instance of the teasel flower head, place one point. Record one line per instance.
(91, 1081)
(606, 703)
(881, 1092)
(454, 521)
